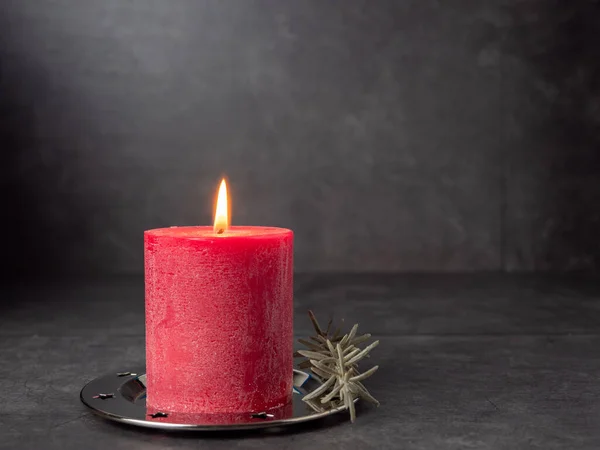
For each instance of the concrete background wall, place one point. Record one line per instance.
(391, 135)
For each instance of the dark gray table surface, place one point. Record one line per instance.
(467, 361)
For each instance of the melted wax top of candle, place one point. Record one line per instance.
(201, 232)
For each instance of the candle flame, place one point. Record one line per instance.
(221, 214)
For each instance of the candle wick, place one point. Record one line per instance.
(221, 231)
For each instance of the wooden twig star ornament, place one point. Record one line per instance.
(334, 358)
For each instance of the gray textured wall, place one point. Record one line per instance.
(389, 134)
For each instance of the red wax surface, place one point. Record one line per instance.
(219, 319)
(224, 418)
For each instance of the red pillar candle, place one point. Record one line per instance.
(219, 319)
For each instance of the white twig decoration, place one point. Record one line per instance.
(334, 359)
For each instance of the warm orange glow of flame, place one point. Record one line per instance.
(221, 212)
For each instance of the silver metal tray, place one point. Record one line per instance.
(122, 397)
